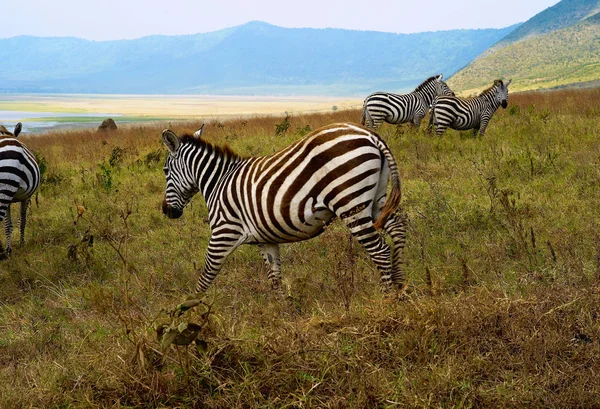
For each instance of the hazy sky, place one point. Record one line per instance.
(124, 19)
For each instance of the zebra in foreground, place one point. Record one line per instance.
(472, 113)
(339, 170)
(19, 179)
(397, 109)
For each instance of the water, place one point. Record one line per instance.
(36, 123)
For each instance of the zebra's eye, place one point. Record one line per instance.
(166, 170)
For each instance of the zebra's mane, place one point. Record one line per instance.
(424, 83)
(4, 131)
(202, 144)
(491, 88)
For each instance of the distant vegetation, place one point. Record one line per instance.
(564, 14)
(503, 258)
(255, 58)
(557, 47)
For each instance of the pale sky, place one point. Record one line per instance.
(127, 19)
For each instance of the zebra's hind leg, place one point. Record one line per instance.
(361, 227)
(395, 227)
(270, 253)
(440, 129)
(8, 228)
(23, 221)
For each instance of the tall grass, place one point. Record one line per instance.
(503, 257)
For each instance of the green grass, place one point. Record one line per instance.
(503, 257)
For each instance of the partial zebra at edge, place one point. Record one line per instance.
(19, 179)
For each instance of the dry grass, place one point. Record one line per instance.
(503, 257)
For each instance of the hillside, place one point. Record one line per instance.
(239, 60)
(566, 56)
(563, 14)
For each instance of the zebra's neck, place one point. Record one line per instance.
(490, 98)
(210, 167)
(427, 93)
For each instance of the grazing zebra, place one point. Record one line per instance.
(339, 170)
(472, 113)
(397, 109)
(19, 179)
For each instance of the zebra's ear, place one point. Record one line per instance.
(17, 130)
(171, 141)
(439, 77)
(199, 132)
(508, 83)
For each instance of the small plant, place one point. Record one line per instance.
(282, 128)
(302, 131)
(105, 177)
(116, 156)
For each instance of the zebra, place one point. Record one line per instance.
(472, 113)
(19, 179)
(338, 170)
(397, 109)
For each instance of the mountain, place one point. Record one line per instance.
(558, 46)
(253, 58)
(563, 14)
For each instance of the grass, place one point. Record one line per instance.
(503, 257)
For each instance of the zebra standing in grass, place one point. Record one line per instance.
(397, 109)
(339, 170)
(473, 113)
(19, 179)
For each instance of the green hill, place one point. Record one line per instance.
(562, 15)
(570, 55)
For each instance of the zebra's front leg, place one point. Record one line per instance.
(219, 248)
(8, 228)
(23, 221)
(270, 253)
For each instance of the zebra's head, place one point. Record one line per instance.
(181, 184)
(502, 92)
(441, 88)
(13, 134)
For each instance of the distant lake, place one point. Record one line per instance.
(36, 122)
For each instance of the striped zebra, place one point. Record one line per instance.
(397, 109)
(19, 179)
(471, 113)
(339, 170)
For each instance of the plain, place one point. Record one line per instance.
(503, 255)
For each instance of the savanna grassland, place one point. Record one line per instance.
(503, 258)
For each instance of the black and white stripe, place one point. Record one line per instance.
(339, 170)
(471, 113)
(397, 109)
(19, 179)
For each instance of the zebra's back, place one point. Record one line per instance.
(291, 194)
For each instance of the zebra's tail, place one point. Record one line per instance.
(392, 201)
(366, 117)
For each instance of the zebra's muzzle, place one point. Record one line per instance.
(171, 212)
(504, 104)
